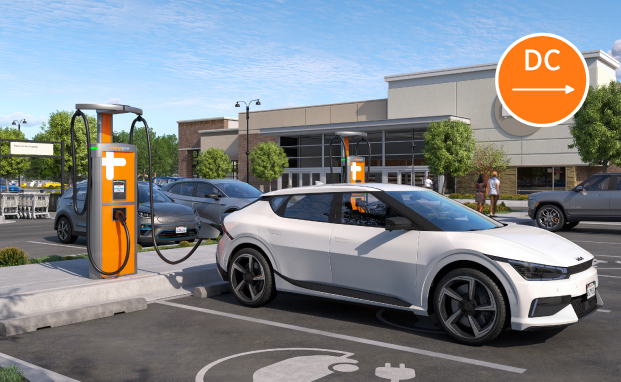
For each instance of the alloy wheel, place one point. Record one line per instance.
(248, 278)
(549, 218)
(467, 307)
(63, 230)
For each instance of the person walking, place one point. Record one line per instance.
(494, 193)
(480, 189)
(429, 182)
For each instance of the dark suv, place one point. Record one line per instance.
(596, 199)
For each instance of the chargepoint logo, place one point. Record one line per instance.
(110, 162)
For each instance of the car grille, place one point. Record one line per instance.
(582, 306)
(580, 267)
(175, 218)
(170, 234)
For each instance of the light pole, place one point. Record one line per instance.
(256, 102)
(412, 177)
(19, 123)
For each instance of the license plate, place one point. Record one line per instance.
(185, 230)
(590, 290)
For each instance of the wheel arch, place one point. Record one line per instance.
(63, 215)
(249, 242)
(479, 262)
(555, 203)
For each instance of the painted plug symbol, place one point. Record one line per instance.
(395, 374)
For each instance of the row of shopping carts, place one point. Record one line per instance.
(24, 206)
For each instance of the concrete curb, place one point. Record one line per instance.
(211, 290)
(27, 324)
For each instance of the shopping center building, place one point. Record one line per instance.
(540, 157)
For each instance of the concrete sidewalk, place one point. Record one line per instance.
(38, 289)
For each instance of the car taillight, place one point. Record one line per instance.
(225, 231)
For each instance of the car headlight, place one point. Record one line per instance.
(143, 214)
(539, 272)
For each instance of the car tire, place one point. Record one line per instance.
(251, 278)
(470, 306)
(570, 225)
(550, 218)
(65, 232)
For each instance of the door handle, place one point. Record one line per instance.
(70, 204)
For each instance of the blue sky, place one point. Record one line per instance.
(193, 59)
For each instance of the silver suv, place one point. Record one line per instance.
(596, 199)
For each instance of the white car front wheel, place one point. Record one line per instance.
(470, 306)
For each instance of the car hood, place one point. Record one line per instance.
(556, 195)
(167, 209)
(523, 243)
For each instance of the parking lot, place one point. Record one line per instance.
(298, 338)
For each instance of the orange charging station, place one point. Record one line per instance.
(114, 188)
(353, 167)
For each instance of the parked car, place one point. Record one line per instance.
(12, 187)
(213, 197)
(50, 184)
(174, 222)
(162, 180)
(596, 199)
(407, 248)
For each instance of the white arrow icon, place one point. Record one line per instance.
(567, 89)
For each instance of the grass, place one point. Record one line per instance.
(11, 374)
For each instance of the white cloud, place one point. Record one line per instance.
(32, 121)
(616, 53)
(288, 104)
(113, 101)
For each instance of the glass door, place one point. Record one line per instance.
(419, 178)
(393, 177)
(406, 177)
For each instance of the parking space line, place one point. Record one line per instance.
(606, 256)
(603, 310)
(34, 372)
(351, 338)
(596, 242)
(58, 245)
(616, 277)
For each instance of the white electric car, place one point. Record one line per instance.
(409, 248)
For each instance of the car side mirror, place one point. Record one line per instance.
(398, 223)
(578, 189)
(213, 195)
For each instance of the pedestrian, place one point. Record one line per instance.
(494, 193)
(480, 189)
(429, 182)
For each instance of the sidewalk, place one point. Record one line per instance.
(516, 205)
(38, 289)
(520, 217)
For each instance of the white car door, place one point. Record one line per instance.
(366, 257)
(299, 237)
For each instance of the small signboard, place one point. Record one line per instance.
(27, 148)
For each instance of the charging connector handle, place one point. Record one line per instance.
(89, 182)
(157, 250)
(366, 173)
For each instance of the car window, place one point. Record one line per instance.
(445, 213)
(366, 210)
(315, 207)
(158, 197)
(239, 190)
(202, 189)
(596, 183)
(618, 182)
(81, 193)
(187, 189)
(277, 201)
(68, 193)
(175, 189)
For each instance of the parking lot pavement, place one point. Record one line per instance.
(217, 339)
(37, 238)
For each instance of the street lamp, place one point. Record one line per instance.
(413, 149)
(19, 123)
(256, 102)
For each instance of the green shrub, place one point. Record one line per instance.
(138, 247)
(10, 256)
(185, 244)
(499, 207)
(11, 373)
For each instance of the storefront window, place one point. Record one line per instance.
(537, 179)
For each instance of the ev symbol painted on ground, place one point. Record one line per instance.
(306, 368)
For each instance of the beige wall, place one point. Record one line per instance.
(224, 141)
(315, 115)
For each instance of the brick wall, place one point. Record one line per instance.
(584, 172)
(508, 182)
(189, 137)
(253, 141)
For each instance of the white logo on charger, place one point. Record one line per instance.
(110, 162)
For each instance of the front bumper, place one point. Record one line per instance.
(166, 232)
(577, 306)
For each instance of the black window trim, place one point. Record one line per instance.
(424, 224)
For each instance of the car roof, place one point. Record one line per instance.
(345, 187)
(209, 180)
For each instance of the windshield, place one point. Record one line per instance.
(239, 190)
(443, 212)
(158, 197)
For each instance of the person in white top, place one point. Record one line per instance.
(494, 193)
(429, 182)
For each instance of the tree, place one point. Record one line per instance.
(489, 158)
(596, 129)
(166, 157)
(449, 148)
(12, 166)
(268, 161)
(213, 164)
(58, 128)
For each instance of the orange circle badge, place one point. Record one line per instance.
(542, 80)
